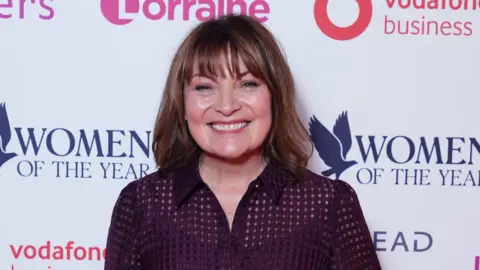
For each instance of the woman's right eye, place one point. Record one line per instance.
(202, 87)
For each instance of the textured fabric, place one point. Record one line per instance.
(176, 222)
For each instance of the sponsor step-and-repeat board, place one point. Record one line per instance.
(388, 90)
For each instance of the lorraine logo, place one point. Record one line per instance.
(122, 12)
(112, 10)
(343, 33)
(333, 147)
(5, 135)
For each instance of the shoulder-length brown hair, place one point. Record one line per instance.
(288, 142)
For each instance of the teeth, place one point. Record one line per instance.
(229, 127)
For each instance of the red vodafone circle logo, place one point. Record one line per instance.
(343, 33)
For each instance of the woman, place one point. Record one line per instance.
(233, 191)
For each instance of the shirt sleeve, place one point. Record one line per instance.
(122, 250)
(352, 245)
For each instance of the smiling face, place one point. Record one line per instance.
(228, 115)
(253, 89)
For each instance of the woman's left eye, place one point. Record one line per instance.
(250, 84)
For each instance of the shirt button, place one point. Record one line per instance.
(235, 245)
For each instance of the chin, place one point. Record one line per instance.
(231, 154)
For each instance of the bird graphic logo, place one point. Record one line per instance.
(5, 135)
(333, 147)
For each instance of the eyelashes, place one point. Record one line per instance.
(202, 87)
(250, 84)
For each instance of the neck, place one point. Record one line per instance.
(241, 171)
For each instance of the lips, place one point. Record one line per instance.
(228, 127)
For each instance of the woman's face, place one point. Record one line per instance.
(228, 117)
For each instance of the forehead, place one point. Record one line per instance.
(224, 67)
(225, 59)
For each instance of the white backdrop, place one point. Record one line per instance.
(81, 88)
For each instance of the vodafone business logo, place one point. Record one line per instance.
(440, 18)
(343, 33)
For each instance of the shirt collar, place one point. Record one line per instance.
(274, 178)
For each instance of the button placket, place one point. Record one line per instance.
(238, 233)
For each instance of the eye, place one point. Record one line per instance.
(202, 87)
(250, 84)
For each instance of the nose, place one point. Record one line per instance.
(227, 103)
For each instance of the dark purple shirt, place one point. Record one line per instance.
(176, 222)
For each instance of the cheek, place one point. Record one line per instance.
(260, 104)
(196, 106)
